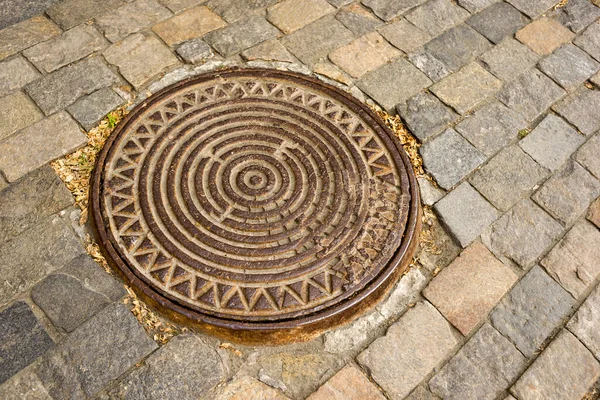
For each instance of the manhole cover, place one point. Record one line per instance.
(263, 206)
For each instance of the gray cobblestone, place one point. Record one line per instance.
(404, 35)
(270, 50)
(430, 194)
(581, 109)
(17, 111)
(420, 393)
(390, 9)
(195, 51)
(569, 66)
(70, 13)
(436, 16)
(89, 110)
(577, 14)
(358, 19)
(585, 322)
(498, 21)
(425, 115)
(509, 59)
(24, 385)
(458, 46)
(533, 8)
(234, 10)
(14, 74)
(25, 34)
(179, 5)
(431, 66)
(475, 5)
(588, 155)
(589, 42)
(241, 35)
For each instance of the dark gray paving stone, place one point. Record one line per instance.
(475, 5)
(420, 393)
(585, 322)
(70, 13)
(23, 339)
(13, 11)
(331, 33)
(96, 353)
(569, 66)
(532, 310)
(436, 16)
(498, 21)
(466, 213)
(425, 115)
(61, 88)
(449, 158)
(390, 9)
(568, 193)
(25, 34)
(530, 94)
(589, 40)
(566, 370)
(509, 59)
(185, 368)
(533, 8)
(404, 35)
(234, 10)
(577, 14)
(15, 73)
(89, 110)
(241, 35)
(431, 66)
(458, 46)
(581, 109)
(358, 19)
(522, 234)
(508, 177)
(491, 127)
(195, 51)
(482, 369)
(589, 155)
(30, 200)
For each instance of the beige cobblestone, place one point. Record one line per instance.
(291, 15)
(544, 35)
(25, 34)
(364, 54)
(190, 24)
(348, 384)
(17, 111)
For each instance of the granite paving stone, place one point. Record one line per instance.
(339, 3)
(131, 18)
(241, 35)
(467, 88)
(482, 369)
(491, 127)
(585, 322)
(190, 24)
(533, 8)
(498, 21)
(245, 388)
(552, 142)
(25, 34)
(348, 384)
(70, 13)
(331, 33)
(330, 71)
(568, 193)
(61, 88)
(234, 10)
(195, 51)
(425, 115)
(34, 254)
(466, 213)
(475, 5)
(569, 66)
(17, 111)
(291, 15)
(522, 234)
(594, 213)
(364, 54)
(420, 327)
(581, 109)
(564, 371)
(577, 14)
(358, 19)
(532, 310)
(15, 73)
(180, 5)
(588, 155)
(14, 11)
(45, 141)
(270, 50)
(587, 41)
(436, 16)
(467, 290)
(431, 66)
(140, 57)
(30, 200)
(89, 110)
(80, 279)
(420, 393)
(447, 247)
(94, 354)
(404, 35)
(449, 158)
(24, 385)
(408, 82)
(530, 94)
(544, 35)
(508, 177)
(23, 339)
(388, 10)
(509, 59)
(458, 46)
(573, 262)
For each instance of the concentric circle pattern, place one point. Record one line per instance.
(254, 196)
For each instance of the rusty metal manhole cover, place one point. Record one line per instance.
(260, 205)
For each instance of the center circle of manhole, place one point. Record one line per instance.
(256, 204)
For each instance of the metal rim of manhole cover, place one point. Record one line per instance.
(259, 205)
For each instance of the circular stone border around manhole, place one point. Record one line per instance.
(258, 205)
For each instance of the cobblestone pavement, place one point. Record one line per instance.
(503, 95)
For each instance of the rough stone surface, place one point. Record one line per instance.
(404, 35)
(508, 177)
(190, 24)
(421, 327)
(577, 14)
(569, 66)
(61, 88)
(588, 155)
(45, 141)
(348, 384)
(420, 393)
(457, 46)
(89, 110)
(581, 109)
(498, 21)
(509, 59)
(594, 213)
(195, 51)
(291, 15)
(241, 35)
(364, 54)
(358, 19)
(491, 127)
(17, 111)
(530, 94)
(140, 58)
(544, 35)
(568, 193)
(70, 13)
(24, 385)
(475, 5)
(94, 354)
(14, 11)
(234, 10)
(25, 34)
(447, 247)
(467, 88)
(573, 262)
(436, 16)
(564, 371)
(588, 40)
(330, 71)
(431, 66)
(245, 388)
(179, 5)
(482, 369)
(14, 74)
(522, 234)
(449, 158)
(532, 311)
(430, 193)
(270, 50)
(585, 322)
(425, 115)
(131, 18)
(23, 339)
(533, 8)
(390, 9)
(467, 290)
(466, 213)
